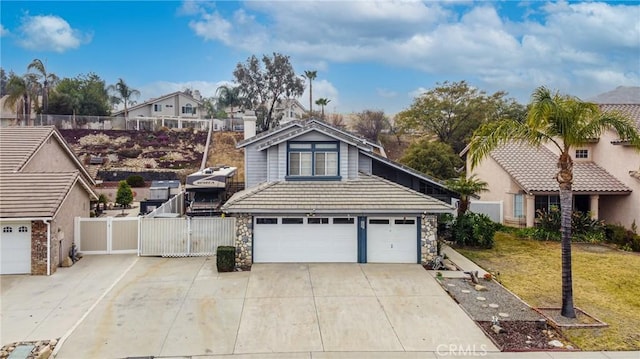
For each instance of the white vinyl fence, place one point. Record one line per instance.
(175, 205)
(493, 209)
(166, 237)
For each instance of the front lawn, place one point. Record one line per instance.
(606, 284)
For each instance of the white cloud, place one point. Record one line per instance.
(321, 89)
(561, 45)
(3, 31)
(386, 93)
(49, 33)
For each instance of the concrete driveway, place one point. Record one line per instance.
(183, 307)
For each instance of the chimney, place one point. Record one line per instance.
(249, 120)
(197, 95)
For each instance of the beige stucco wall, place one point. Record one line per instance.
(51, 157)
(75, 205)
(618, 160)
(501, 187)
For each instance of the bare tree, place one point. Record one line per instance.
(370, 124)
(337, 120)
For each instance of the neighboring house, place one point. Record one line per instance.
(315, 193)
(177, 104)
(43, 187)
(606, 180)
(291, 110)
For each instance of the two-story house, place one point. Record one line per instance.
(315, 193)
(43, 187)
(178, 104)
(605, 182)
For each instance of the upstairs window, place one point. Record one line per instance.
(582, 153)
(157, 107)
(308, 159)
(188, 109)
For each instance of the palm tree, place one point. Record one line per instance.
(48, 80)
(311, 75)
(564, 122)
(123, 93)
(466, 187)
(21, 92)
(230, 96)
(322, 102)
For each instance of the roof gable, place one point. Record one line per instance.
(19, 144)
(535, 169)
(631, 110)
(280, 134)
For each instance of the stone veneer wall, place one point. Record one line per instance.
(244, 240)
(429, 237)
(39, 249)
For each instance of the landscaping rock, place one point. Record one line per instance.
(481, 298)
(67, 262)
(465, 291)
(493, 305)
(556, 344)
(480, 288)
(504, 315)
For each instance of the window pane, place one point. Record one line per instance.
(378, 221)
(300, 146)
(267, 221)
(305, 164)
(294, 164)
(405, 221)
(292, 220)
(326, 146)
(318, 220)
(518, 205)
(331, 163)
(343, 221)
(320, 163)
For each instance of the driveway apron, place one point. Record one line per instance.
(183, 307)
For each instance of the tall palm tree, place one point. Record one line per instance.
(564, 122)
(311, 75)
(21, 91)
(466, 187)
(322, 102)
(48, 80)
(231, 97)
(123, 93)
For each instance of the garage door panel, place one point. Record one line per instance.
(322, 241)
(15, 248)
(392, 240)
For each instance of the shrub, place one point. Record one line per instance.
(473, 229)
(135, 181)
(124, 196)
(445, 221)
(583, 227)
(130, 152)
(225, 258)
(622, 237)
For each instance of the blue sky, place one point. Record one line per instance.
(374, 55)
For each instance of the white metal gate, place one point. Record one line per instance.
(167, 237)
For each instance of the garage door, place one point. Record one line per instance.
(15, 249)
(305, 239)
(392, 240)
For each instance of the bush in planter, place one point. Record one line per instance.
(226, 258)
(135, 181)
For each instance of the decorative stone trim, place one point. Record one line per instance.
(39, 249)
(244, 240)
(428, 237)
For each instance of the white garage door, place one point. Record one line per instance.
(392, 240)
(305, 239)
(15, 248)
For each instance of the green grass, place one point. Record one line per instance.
(606, 284)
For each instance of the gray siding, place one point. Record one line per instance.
(344, 160)
(272, 163)
(364, 163)
(313, 136)
(255, 166)
(282, 164)
(353, 162)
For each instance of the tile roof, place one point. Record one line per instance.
(366, 194)
(631, 110)
(534, 169)
(18, 144)
(31, 195)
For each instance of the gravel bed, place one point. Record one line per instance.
(526, 336)
(485, 310)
